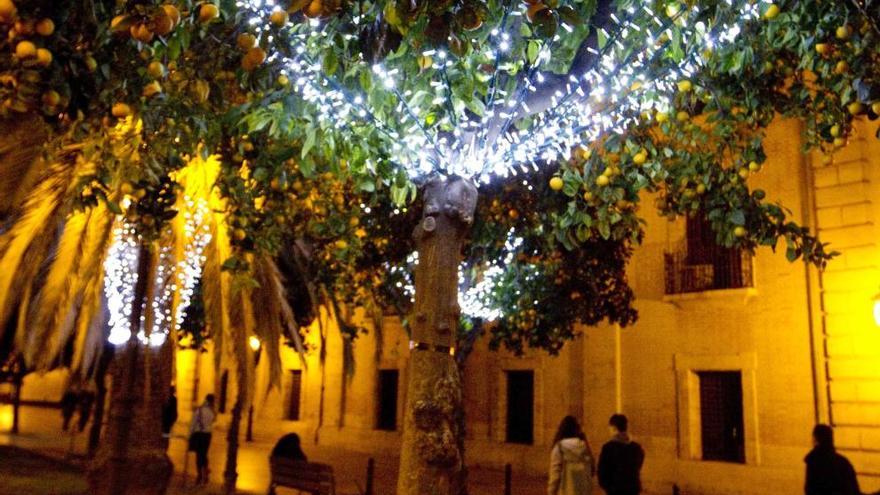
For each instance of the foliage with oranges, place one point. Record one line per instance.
(204, 77)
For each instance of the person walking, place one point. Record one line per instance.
(200, 437)
(169, 413)
(620, 461)
(828, 473)
(571, 461)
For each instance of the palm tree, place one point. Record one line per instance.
(74, 275)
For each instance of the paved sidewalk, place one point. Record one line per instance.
(41, 431)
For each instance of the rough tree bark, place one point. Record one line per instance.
(100, 399)
(132, 458)
(230, 474)
(464, 347)
(430, 461)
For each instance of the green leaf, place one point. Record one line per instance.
(367, 185)
(569, 15)
(330, 62)
(311, 137)
(601, 38)
(604, 229)
(737, 217)
(545, 24)
(532, 51)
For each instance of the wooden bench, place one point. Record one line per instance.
(309, 477)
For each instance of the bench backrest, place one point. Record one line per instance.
(306, 476)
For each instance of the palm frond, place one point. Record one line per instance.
(90, 326)
(49, 325)
(275, 318)
(241, 326)
(77, 266)
(215, 286)
(27, 243)
(20, 148)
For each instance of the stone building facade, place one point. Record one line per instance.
(732, 361)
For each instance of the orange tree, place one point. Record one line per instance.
(332, 117)
(564, 113)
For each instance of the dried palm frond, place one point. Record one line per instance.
(275, 317)
(90, 327)
(241, 326)
(215, 287)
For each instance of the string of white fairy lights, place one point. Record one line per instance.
(175, 279)
(618, 87)
(600, 100)
(120, 278)
(621, 83)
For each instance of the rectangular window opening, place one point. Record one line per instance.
(520, 407)
(294, 395)
(703, 264)
(386, 414)
(721, 416)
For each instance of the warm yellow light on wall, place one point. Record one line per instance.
(5, 419)
(877, 309)
(254, 343)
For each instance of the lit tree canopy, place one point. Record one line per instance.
(328, 115)
(322, 122)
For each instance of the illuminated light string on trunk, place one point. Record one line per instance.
(472, 294)
(601, 100)
(175, 279)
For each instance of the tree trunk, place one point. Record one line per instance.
(230, 475)
(100, 399)
(431, 461)
(464, 347)
(132, 459)
(16, 401)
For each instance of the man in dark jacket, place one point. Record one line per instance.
(828, 473)
(621, 461)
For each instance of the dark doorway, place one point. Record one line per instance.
(520, 406)
(294, 395)
(224, 390)
(721, 416)
(386, 413)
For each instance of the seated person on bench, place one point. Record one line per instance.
(288, 448)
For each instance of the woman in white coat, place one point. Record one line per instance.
(571, 461)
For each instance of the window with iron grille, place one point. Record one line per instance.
(721, 416)
(703, 264)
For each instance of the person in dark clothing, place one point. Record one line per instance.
(828, 473)
(200, 437)
(288, 447)
(169, 413)
(68, 406)
(620, 461)
(86, 401)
